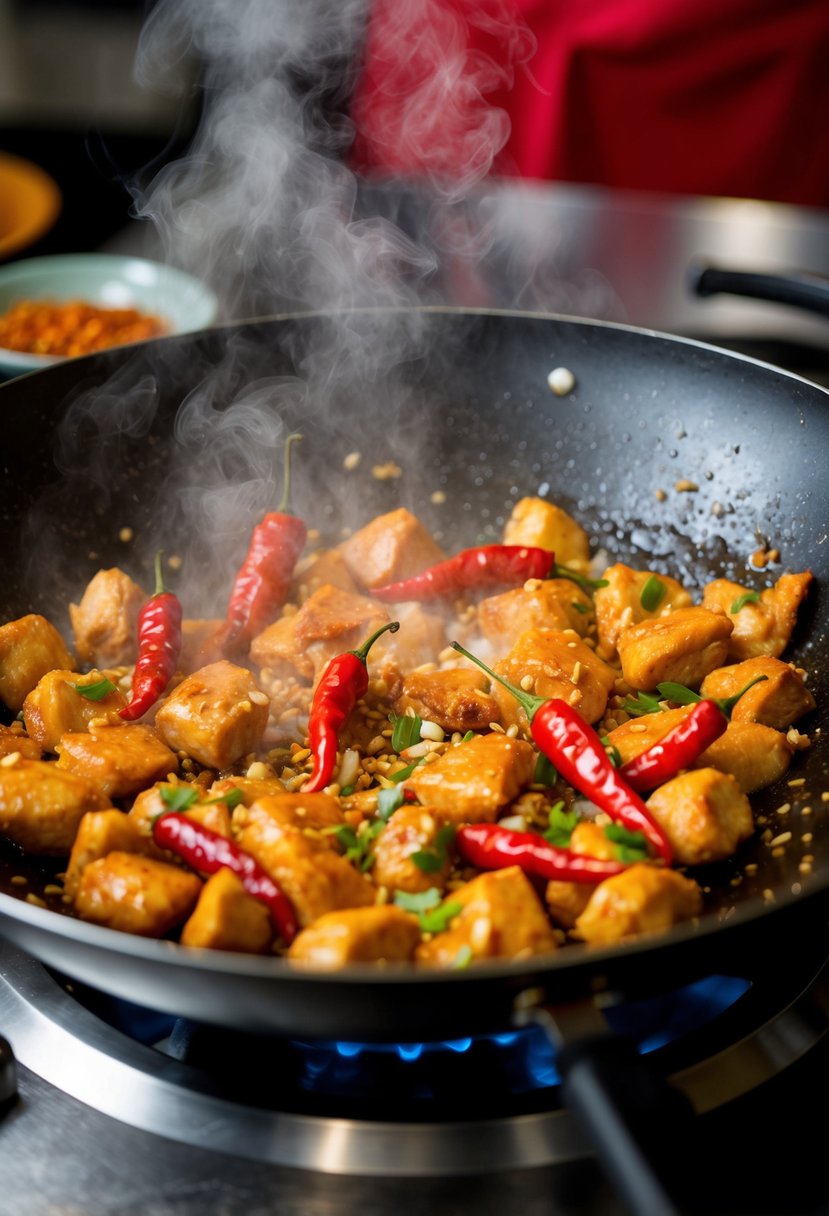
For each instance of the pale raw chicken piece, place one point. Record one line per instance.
(550, 603)
(756, 755)
(105, 622)
(454, 697)
(320, 569)
(470, 783)
(777, 701)
(227, 918)
(411, 829)
(12, 739)
(29, 647)
(41, 805)
(704, 814)
(358, 935)
(101, 833)
(619, 604)
(567, 900)
(216, 715)
(119, 759)
(543, 525)
(500, 916)
(136, 894)
(390, 548)
(55, 707)
(681, 647)
(638, 734)
(554, 663)
(643, 899)
(764, 627)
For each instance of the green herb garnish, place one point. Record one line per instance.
(470, 734)
(679, 693)
(545, 771)
(613, 753)
(642, 703)
(388, 802)
(630, 846)
(582, 608)
(231, 799)
(581, 580)
(179, 797)
(96, 691)
(346, 791)
(357, 846)
(748, 597)
(433, 915)
(463, 958)
(653, 593)
(403, 774)
(430, 860)
(406, 731)
(561, 825)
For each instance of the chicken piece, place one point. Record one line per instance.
(29, 647)
(756, 755)
(390, 548)
(682, 647)
(101, 833)
(500, 916)
(538, 523)
(227, 918)
(105, 622)
(200, 643)
(410, 829)
(12, 739)
(312, 813)
(704, 814)
(278, 649)
(320, 569)
(567, 900)
(777, 701)
(762, 627)
(455, 698)
(358, 935)
(56, 707)
(644, 899)
(250, 788)
(315, 879)
(470, 783)
(554, 663)
(118, 759)
(421, 636)
(41, 806)
(550, 603)
(638, 734)
(136, 894)
(150, 803)
(619, 604)
(216, 715)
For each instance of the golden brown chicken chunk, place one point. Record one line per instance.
(105, 621)
(777, 701)
(410, 830)
(638, 734)
(619, 604)
(390, 548)
(704, 814)
(550, 603)
(136, 894)
(13, 739)
(41, 805)
(421, 636)
(217, 715)
(470, 783)
(101, 833)
(227, 918)
(57, 706)
(250, 788)
(358, 935)
(120, 759)
(29, 647)
(682, 647)
(200, 643)
(763, 626)
(454, 697)
(756, 755)
(567, 900)
(542, 524)
(554, 663)
(304, 811)
(150, 803)
(499, 916)
(318, 569)
(644, 899)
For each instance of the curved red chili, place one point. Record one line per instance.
(341, 685)
(579, 755)
(208, 852)
(159, 646)
(678, 749)
(491, 847)
(481, 568)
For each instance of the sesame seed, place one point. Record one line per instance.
(31, 898)
(258, 698)
(11, 760)
(497, 727)
(527, 683)
(660, 495)
(438, 497)
(19, 880)
(126, 535)
(783, 838)
(351, 461)
(52, 888)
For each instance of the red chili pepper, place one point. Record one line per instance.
(208, 852)
(678, 749)
(577, 752)
(341, 685)
(482, 568)
(264, 579)
(159, 645)
(491, 847)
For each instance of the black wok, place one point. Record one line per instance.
(468, 411)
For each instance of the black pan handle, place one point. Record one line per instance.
(8, 1076)
(809, 291)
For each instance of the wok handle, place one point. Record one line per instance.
(809, 291)
(8, 1076)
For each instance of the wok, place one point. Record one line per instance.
(468, 410)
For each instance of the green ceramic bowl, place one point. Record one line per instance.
(108, 281)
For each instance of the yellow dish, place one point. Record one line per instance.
(29, 203)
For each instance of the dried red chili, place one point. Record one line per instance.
(208, 852)
(159, 646)
(341, 685)
(577, 752)
(491, 847)
(481, 568)
(678, 749)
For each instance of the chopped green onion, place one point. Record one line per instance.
(679, 693)
(96, 691)
(613, 753)
(748, 597)
(231, 799)
(431, 860)
(726, 704)
(403, 774)
(582, 608)
(470, 734)
(406, 731)
(439, 920)
(346, 791)
(463, 958)
(433, 915)
(545, 772)
(179, 797)
(561, 825)
(630, 846)
(418, 901)
(388, 802)
(642, 703)
(581, 580)
(357, 846)
(653, 593)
